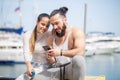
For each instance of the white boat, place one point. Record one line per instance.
(11, 46)
(117, 43)
(101, 43)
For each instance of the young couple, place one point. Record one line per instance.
(66, 42)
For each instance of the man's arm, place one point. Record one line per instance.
(78, 44)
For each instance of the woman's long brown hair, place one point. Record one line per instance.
(32, 40)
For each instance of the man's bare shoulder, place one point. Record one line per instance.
(77, 30)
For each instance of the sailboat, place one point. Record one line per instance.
(11, 44)
(101, 43)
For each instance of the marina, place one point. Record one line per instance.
(102, 51)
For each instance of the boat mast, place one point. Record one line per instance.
(85, 13)
(1, 13)
(20, 14)
(36, 8)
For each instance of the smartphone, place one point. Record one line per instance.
(46, 47)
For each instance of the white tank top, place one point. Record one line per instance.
(64, 46)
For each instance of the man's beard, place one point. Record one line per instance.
(62, 32)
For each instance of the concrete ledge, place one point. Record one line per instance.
(95, 78)
(86, 78)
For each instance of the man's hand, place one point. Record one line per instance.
(54, 52)
(51, 60)
(51, 54)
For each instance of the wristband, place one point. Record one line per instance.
(61, 52)
(55, 59)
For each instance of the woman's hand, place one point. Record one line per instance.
(29, 69)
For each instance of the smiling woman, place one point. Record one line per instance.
(32, 47)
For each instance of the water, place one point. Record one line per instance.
(107, 65)
(12, 70)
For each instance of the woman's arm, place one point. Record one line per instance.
(29, 68)
(27, 53)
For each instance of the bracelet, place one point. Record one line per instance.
(55, 59)
(61, 52)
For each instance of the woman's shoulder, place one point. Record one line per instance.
(27, 33)
(48, 33)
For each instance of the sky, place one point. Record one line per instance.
(102, 15)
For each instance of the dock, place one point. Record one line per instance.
(95, 78)
(86, 78)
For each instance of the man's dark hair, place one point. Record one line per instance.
(62, 11)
